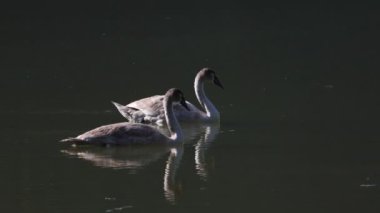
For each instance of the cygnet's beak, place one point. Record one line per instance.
(217, 82)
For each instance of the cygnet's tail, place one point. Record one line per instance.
(75, 141)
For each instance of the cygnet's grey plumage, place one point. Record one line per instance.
(150, 110)
(134, 133)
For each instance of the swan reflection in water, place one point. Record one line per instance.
(201, 136)
(134, 158)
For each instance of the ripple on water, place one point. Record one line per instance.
(368, 185)
(121, 208)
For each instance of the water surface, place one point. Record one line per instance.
(299, 128)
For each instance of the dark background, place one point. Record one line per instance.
(306, 60)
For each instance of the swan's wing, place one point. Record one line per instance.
(122, 133)
(151, 110)
(150, 106)
(147, 110)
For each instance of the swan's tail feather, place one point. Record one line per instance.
(124, 111)
(131, 114)
(117, 105)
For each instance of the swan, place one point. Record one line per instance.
(133, 133)
(150, 110)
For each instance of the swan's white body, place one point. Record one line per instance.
(150, 110)
(133, 133)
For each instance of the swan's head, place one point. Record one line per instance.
(210, 74)
(176, 95)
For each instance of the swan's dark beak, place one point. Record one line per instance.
(217, 82)
(183, 103)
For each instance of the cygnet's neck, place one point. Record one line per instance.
(173, 125)
(211, 112)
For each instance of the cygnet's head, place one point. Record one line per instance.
(176, 95)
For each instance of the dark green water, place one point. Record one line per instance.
(299, 129)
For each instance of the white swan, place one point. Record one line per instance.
(150, 110)
(129, 133)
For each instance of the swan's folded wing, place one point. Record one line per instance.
(151, 110)
(151, 106)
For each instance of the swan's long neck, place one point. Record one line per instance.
(173, 125)
(211, 111)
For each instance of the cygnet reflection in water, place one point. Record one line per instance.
(134, 158)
